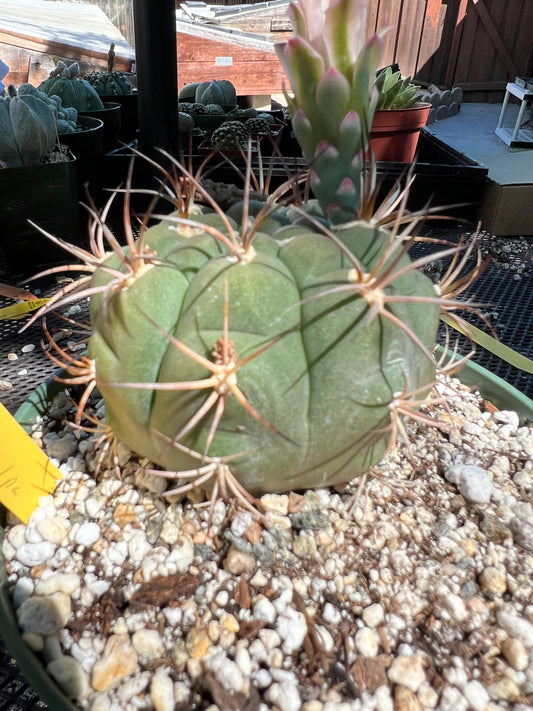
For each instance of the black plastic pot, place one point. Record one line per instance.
(46, 194)
(129, 114)
(111, 115)
(87, 145)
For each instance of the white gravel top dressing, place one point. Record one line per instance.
(411, 589)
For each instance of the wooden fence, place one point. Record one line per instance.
(477, 44)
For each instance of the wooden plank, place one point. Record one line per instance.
(252, 71)
(20, 54)
(501, 49)
(409, 35)
(456, 42)
(431, 33)
(389, 16)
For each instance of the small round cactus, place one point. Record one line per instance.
(230, 134)
(257, 125)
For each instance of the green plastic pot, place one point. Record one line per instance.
(490, 386)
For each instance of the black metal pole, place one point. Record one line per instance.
(157, 81)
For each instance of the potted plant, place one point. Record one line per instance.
(38, 181)
(115, 86)
(249, 357)
(79, 133)
(398, 118)
(74, 91)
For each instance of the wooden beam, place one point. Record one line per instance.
(493, 33)
(483, 85)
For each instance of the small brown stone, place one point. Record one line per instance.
(371, 672)
(238, 562)
(118, 661)
(406, 700)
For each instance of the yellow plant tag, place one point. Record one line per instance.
(26, 473)
(19, 310)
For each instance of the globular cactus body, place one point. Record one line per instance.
(320, 372)
(27, 129)
(71, 89)
(113, 83)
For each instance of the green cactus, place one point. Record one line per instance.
(230, 134)
(71, 88)
(113, 83)
(27, 129)
(65, 117)
(279, 352)
(220, 92)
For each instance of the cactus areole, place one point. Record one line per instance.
(281, 353)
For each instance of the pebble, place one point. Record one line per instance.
(515, 653)
(473, 482)
(366, 642)
(373, 615)
(44, 614)
(516, 626)
(119, 660)
(162, 691)
(257, 606)
(493, 581)
(68, 674)
(408, 671)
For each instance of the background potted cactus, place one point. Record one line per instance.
(38, 181)
(115, 86)
(73, 90)
(399, 117)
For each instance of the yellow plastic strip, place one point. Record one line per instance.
(19, 310)
(509, 355)
(26, 473)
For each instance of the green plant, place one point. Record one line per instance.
(71, 88)
(230, 134)
(394, 91)
(221, 92)
(65, 117)
(27, 129)
(113, 83)
(279, 348)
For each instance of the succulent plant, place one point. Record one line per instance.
(65, 117)
(219, 91)
(279, 350)
(230, 134)
(27, 129)
(71, 88)
(395, 92)
(114, 83)
(259, 124)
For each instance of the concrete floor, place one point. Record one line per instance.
(471, 132)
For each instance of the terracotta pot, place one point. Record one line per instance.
(395, 132)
